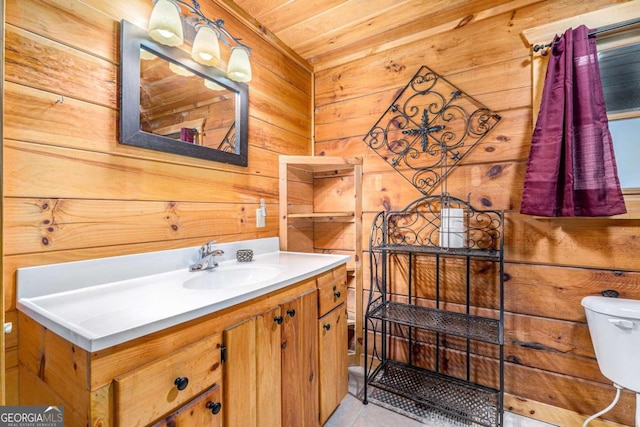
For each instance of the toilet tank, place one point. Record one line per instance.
(614, 325)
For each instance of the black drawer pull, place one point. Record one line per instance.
(214, 407)
(181, 382)
(278, 320)
(337, 294)
(291, 312)
(326, 326)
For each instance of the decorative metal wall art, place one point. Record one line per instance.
(429, 128)
(228, 143)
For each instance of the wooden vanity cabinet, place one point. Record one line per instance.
(274, 354)
(270, 378)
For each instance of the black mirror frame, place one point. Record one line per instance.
(132, 39)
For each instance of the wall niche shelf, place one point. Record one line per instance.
(321, 212)
(436, 290)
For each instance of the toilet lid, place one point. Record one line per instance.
(619, 307)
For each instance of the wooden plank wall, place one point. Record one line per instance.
(550, 263)
(71, 192)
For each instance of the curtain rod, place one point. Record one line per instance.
(595, 32)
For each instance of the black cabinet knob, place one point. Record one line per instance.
(278, 320)
(337, 294)
(326, 326)
(214, 407)
(181, 382)
(291, 312)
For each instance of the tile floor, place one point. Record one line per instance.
(352, 413)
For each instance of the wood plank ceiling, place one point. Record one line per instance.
(327, 33)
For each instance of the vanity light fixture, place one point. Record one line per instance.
(165, 27)
(239, 68)
(180, 70)
(212, 85)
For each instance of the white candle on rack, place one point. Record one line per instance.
(452, 228)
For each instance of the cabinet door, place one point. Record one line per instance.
(252, 371)
(240, 375)
(332, 359)
(205, 410)
(299, 361)
(269, 382)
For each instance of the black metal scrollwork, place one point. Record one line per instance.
(429, 128)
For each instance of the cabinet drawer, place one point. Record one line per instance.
(151, 391)
(204, 410)
(332, 290)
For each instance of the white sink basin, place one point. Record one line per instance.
(99, 303)
(232, 276)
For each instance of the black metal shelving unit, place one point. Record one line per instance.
(401, 240)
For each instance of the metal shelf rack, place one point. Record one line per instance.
(417, 312)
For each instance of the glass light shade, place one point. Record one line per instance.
(180, 70)
(212, 85)
(239, 68)
(206, 49)
(146, 55)
(165, 25)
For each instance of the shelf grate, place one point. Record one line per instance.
(472, 252)
(458, 324)
(419, 392)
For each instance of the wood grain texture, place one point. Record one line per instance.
(62, 367)
(240, 374)
(333, 378)
(63, 224)
(66, 69)
(145, 394)
(197, 412)
(268, 335)
(299, 361)
(54, 370)
(551, 264)
(69, 152)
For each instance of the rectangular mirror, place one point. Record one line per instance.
(170, 103)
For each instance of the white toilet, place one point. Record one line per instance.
(614, 324)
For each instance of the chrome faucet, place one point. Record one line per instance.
(207, 257)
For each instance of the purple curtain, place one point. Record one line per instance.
(572, 169)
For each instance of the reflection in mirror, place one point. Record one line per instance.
(171, 103)
(181, 105)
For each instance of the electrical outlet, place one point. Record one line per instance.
(260, 217)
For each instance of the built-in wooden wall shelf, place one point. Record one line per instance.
(327, 216)
(321, 212)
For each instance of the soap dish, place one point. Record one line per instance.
(244, 255)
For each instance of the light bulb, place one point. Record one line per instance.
(165, 25)
(239, 68)
(206, 49)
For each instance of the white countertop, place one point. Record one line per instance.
(100, 303)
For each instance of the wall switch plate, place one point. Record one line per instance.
(261, 216)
